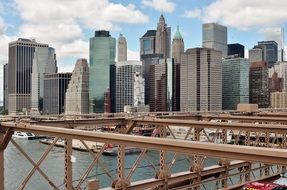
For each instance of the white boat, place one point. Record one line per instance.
(24, 135)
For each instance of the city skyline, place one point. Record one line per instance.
(19, 19)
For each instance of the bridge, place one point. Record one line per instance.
(248, 147)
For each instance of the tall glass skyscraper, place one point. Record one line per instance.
(102, 56)
(235, 82)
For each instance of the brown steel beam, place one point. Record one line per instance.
(80, 122)
(6, 139)
(216, 125)
(68, 165)
(35, 165)
(1, 163)
(255, 154)
(180, 177)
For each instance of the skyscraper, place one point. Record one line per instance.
(201, 80)
(236, 49)
(277, 35)
(147, 43)
(177, 51)
(122, 48)
(161, 85)
(279, 71)
(270, 52)
(256, 54)
(102, 56)
(125, 83)
(258, 84)
(235, 82)
(157, 91)
(44, 62)
(163, 38)
(5, 86)
(55, 87)
(214, 36)
(77, 95)
(21, 55)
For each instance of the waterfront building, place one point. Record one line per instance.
(44, 62)
(102, 57)
(270, 52)
(235, 82)
(279, 99)
(55, 87)
(77, 94)
(236, 49)
(122, 48)
(21, 55)
(163, 38)
(177, 51)
(125, 84)
(5, 86)
(258, 84)
(201, 80)
(214, 36)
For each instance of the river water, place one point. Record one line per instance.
(17, 166)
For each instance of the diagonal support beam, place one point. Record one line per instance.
(96, 159)
(36, 165)
(1, 165)
(6, 139)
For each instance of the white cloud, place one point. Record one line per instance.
(133, 55)
(246, 14)
(2, 26)
(93, 14)
(77, 49)
(160, 5)
(196, 13)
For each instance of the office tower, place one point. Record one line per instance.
(44, 62)
(270, 52)
(278, 76)
(102, 56)
(55, 87)
(163, 38)
(279, 99)
(177, 50)
(177, 46)
(139, 84)
(236, 49)
(122, 48)
(21, 54)
(147, 43)
(125, 82)
(77, 95)
(275, 83)
(256, 54)
(214, 36)
(161, 85)
(157, 91)
(5, 86)
(201, 80)
(277, 35)
(258, 84)
(235, 82)
(147, 61)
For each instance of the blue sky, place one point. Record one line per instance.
(68, 24)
